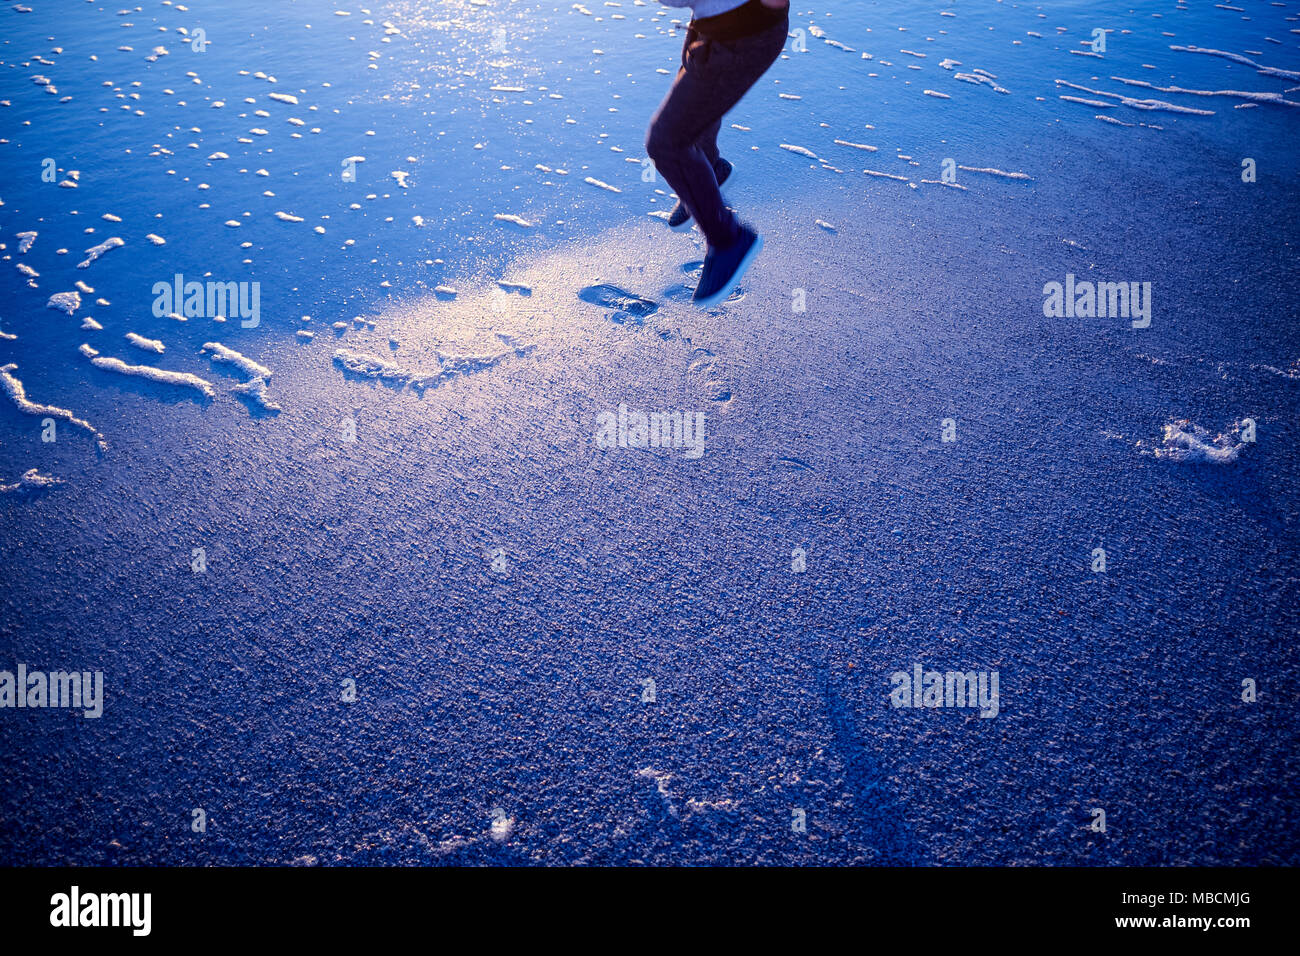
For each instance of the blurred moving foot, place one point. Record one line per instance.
(679, 220)
(724, 268)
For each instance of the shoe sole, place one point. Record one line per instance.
(690, 220)
(739, 274)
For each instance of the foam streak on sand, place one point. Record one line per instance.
(672, 806)
(161, 376)
(1237, 57)
(511, 217)
(995, 172)
(802, 151)
(1098, 104)
(94, 252)
(32, 480)
(14, 389)
(221, 353)
(149, 345)
(1138, 104)
(450, 366)
(372, 366)
(1254, 96)
(978, 79)
(258, 375)
(255, 390)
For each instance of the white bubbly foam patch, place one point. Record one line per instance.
(68, 302)
(1183, 441)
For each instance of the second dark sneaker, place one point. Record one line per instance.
(724, 268)
(679, 220)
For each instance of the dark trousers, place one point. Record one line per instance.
(682, 140)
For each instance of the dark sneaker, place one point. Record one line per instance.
(724, 268)
(679, 220)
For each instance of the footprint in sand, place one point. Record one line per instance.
(704, 365)
(629, 308)
(626, 307)
(684, 291)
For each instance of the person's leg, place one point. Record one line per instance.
(679, 218)
(708, 142)
(712, 80)
(685, 114)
